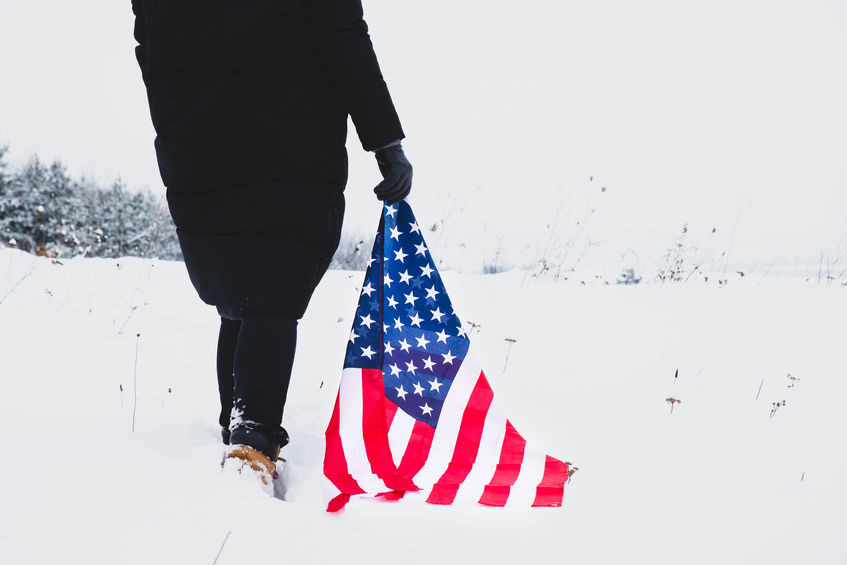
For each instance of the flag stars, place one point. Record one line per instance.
(395, 370)
(422, 341)
(414, 227)
(367, 321)
(405, 277)
(410, 298)
(353, 336)
(395, 234)
(368, 352)
(368, 289)
(392, 303)
(442, 335)
(387, 280)
(436, 315)
(416, 320)
(448, 358)
(404, 345)
(418, 389)
(398, 325)
(428, 363)
(426, 271)
(431, 292)
(435, 385)
(390, 210)
(401, 393)
(389, 349)
(410, 367)
(399, 255)
(426, 409)
(371, 261)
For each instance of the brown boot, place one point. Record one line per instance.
(248, 457)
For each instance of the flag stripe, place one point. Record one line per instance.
(373, 423)
(486, 460)
(467, 445)
(552, 487)
(447, 431)
(390, 412)
(522, 493)
(496, 493)
(400, 434)
(335, 463)
(417, 449)
(375, 431)
(352, 433)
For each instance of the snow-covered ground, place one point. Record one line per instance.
(87, 345)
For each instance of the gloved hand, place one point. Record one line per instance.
(396, 173)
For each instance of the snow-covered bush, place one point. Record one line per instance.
(42, 207)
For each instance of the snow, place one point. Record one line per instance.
(719, 480)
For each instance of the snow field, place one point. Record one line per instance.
(586, 379)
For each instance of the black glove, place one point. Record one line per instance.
(396, 173)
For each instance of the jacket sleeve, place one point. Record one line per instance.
(140, 33)
(348, 54)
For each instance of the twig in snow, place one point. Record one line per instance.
(775, 407)
(222, 547)
(509, 350)
(131, 312)
(758, 393)
(672, 401)
(135, 382)
(165, 397)
(17, 284)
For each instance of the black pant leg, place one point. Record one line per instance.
(264, 357)
(227, 340)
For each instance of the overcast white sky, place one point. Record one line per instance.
(726, 114)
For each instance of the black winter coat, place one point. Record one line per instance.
(249, 100)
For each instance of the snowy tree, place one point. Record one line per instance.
(42, 208)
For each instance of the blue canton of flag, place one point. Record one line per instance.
(423, 341)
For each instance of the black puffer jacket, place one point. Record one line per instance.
(249, 99)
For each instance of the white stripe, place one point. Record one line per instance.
(447, 430)
(399, 434)
(532, 471)
(350, 430)
(490, 445)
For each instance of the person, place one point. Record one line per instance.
(249, 100)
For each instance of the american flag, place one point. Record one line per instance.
(415, 416)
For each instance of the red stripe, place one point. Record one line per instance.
(338, 503)
(390, 411)
(467, 444)
(551, 489)
(375, 431)
(417, 450)
(392, 495)
(511, 457)
(335, 462)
